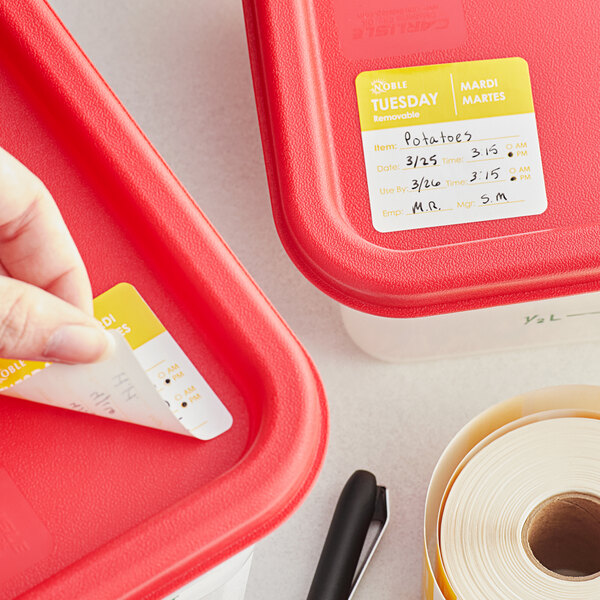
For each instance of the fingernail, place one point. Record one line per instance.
(78, 344)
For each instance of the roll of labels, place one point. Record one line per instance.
(512, 511)
(513, 507)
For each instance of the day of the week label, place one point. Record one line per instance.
(449, 144)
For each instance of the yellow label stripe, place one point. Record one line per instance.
(442, 93)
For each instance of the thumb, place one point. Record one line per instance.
(36, 325)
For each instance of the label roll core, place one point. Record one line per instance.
(513, 508)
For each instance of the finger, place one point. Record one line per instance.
(35, 244)
(36, 325)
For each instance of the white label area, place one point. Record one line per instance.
(181, 386)
(454, 172)
(155, 385)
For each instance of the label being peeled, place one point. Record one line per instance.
(449, 144)
(148, 380)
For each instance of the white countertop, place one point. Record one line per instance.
(181, 69)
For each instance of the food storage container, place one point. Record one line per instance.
(432, 165)
(92, 508)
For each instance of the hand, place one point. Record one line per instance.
(45, 292)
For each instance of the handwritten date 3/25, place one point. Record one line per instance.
(415, 161)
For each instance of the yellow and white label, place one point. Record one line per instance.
(452, 143)
(148, 380)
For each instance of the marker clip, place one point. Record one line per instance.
(361, 503)
(380, 515)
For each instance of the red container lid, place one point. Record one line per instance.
(305, 59)
(92, 508)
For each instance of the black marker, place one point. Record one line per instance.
(361, 502)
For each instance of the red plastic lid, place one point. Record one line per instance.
(306, 57)
(92, 508)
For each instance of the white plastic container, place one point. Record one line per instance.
(227, 581)
(557, 320)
